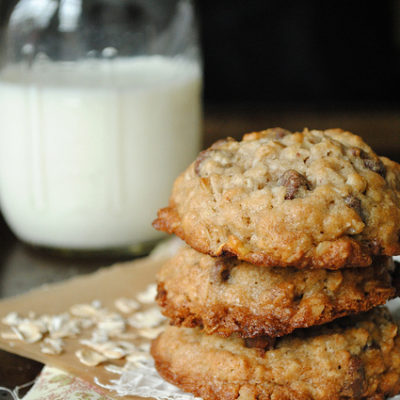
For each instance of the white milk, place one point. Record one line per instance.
(89, 151)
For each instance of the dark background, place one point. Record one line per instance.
(320, 52)
(343, 53)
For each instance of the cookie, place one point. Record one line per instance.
(351, 358)
(320, 199)
(226, 296)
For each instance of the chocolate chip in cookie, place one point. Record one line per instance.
(355, 203)
(293, 181)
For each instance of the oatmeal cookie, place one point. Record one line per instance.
(321, 199)
(351, 358)
(225, 295)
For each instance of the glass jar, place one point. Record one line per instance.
(100, 110)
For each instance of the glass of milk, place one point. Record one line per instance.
(100, 110)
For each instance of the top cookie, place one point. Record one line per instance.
(321, 199)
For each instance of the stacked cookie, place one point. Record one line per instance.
(291, 239)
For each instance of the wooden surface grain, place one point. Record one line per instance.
(379, 128)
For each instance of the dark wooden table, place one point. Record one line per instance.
(380, 128)
(22, 268)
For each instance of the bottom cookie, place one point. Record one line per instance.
(351, 358)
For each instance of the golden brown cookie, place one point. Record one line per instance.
(228, 296)
(321, 199)
(351, 358)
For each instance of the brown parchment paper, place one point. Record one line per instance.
(106, 285)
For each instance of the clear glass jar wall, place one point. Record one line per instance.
(100, 111)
